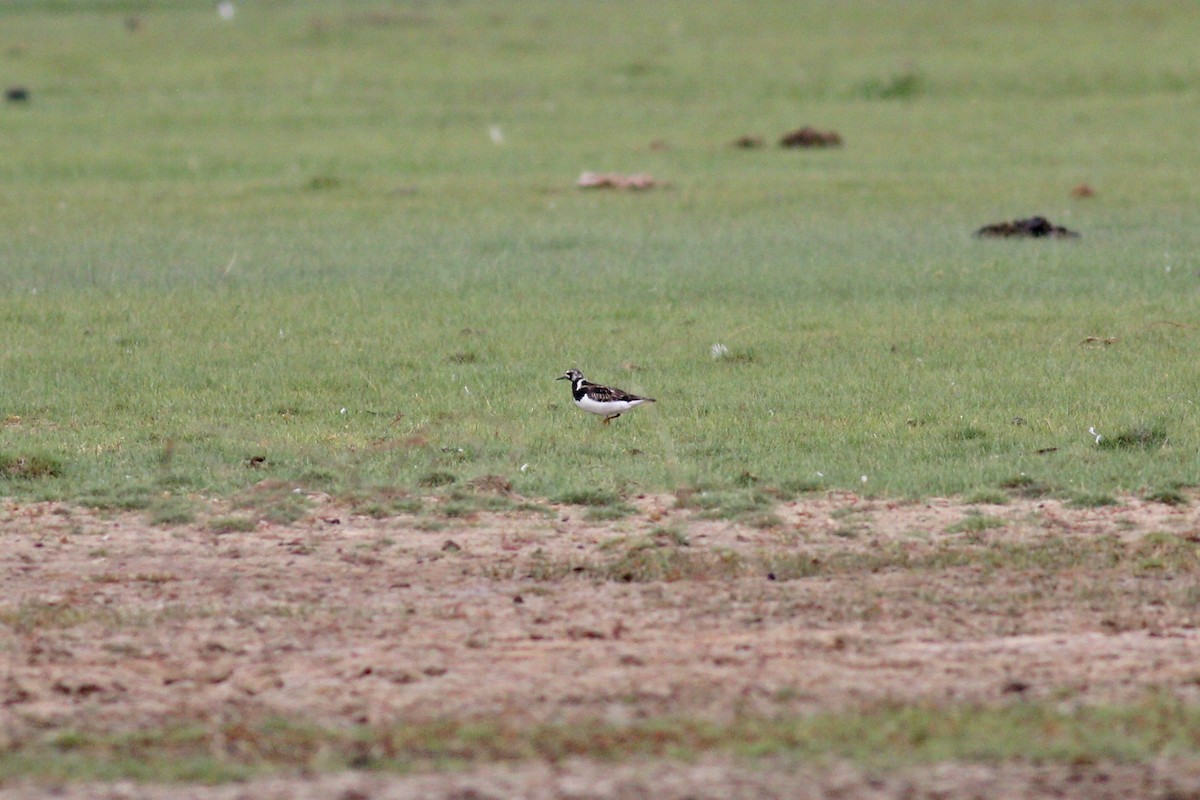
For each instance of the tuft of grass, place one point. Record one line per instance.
(382, 502)
(648, 564)
(30, 466)
(594, 498)
(968, 434)
(1093, 500)
(795, 487)
(432, 480)
(609, 513)
(319, 183)
(976, 523)
(171, 511)
(725, 504)
(1172, 497)
(670, 535)
(986, 497)
(277, 502)
(1139, 437)
(32, 616)
(1026, 486)
(118, 497)
(232, 524)
(904, 85)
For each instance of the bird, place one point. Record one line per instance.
(604, 401)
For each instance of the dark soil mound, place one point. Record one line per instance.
(811, 137)
(1035, 227)
(748, 142)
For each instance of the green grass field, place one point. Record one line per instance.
(219, 235)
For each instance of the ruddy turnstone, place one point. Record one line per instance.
(605, 401)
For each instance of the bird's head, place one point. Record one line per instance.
(571, 375)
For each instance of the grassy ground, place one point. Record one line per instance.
(880, 738)
(292, 236)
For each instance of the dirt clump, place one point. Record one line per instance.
(748, 142)
(1033, 227)
(612, 180)
(810, 137)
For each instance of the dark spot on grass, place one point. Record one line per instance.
(1025, 486)
(968, 434)
(1033, 228)
(589, 497)
(1170, 497)
(437, 478)
(30, 466)
(1140, 437)
(232, 524)
(809, 137)
(1093, 500)
(986, 497)
(746, 479)
(794, 487)
(491, 484)
(323, 182)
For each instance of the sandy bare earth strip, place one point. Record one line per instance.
(838, 603)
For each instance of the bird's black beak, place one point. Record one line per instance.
(562, 377)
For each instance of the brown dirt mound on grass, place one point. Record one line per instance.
(810, 137)
(1033, 227)
(748, 142)
(612, 180)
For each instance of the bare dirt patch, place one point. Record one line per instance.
(837, 602)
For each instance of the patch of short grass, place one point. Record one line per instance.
(975, 523)
(881, 736)
(992, 497)
(31, 616)
(171, 511)
(382, 502)
(1138, 437)
(609, 513)
(30, 466)
(592, 497)
(647, 560)
(747, 503)
(1027, 486)
(1171, 496)
(277, 502)
(232, 523)
(1093, 500)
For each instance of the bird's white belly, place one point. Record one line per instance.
(605, 409)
